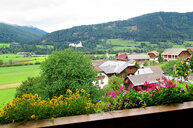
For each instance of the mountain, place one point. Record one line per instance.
(34, 29)
(153, 27)
(21, 34)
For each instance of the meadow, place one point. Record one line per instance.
(6, 96)
(17, 74)
(18, 58)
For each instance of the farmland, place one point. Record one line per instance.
(6, 96)
(16, 74)
(20, 58)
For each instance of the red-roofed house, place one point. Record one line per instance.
(122, 57)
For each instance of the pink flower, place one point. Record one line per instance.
(131, 86)
(186, 85)
(127, 91)
(121, 88)
(109, 92)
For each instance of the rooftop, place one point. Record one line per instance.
(141, 79)
(173, 51)
(110, 67)
(138, 57)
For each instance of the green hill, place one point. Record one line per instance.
(155, 28)
(13, 33)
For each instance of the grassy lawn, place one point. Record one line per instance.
(14, 57)
(6, 96)
(16, 74)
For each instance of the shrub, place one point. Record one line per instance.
(154, 94)
(61, 71)
(1, 62)
(168, 68)
(114, 83)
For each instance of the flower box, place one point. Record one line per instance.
(180, 114)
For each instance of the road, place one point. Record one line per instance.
(9, 86)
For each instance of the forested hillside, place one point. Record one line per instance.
(12, 33)
(154, 28)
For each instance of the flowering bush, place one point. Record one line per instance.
(146, 95)
(32, 107)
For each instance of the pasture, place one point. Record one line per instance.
(17, 74)
(6, 96)
(20, 58)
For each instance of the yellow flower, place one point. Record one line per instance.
(82, 90)
(69, 91)
(88, 95)
(52, 118)
(13, 121)
(36, 95)
(33, 116)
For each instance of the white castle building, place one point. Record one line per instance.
(76, 45)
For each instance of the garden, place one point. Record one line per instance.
(65, 88)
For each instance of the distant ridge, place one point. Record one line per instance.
(153, 27)
(12, 33)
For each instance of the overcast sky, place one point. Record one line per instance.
(51, 15)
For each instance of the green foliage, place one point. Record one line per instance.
(114, 83)
(182, 69)
(1, 62)
(10, 62)
(126, 73)
(160, 58)
(61, 71)
(31, 85)
(168, 68)
(145, 63)
(67, 70)
(137, 65)
(191, 63)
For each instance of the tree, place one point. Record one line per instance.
(191, 63)
(126, 73)
(145, 63)
(182, 69)
(169, 66)
(64, 70)
(160, 58)
(67, 69)
(137, 65)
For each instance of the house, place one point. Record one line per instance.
(108, 68)
(174, 53)
(132, 61)
(122, 57)
(153, 55)
(139, 80)
(143, 71)
(151, 74)
(140, 59)
(117, 67)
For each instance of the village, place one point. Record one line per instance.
(135, 69)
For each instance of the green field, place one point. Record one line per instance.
(6, 96)
(16, 74)
(15, 58)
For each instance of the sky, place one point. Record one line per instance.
(52, 15)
